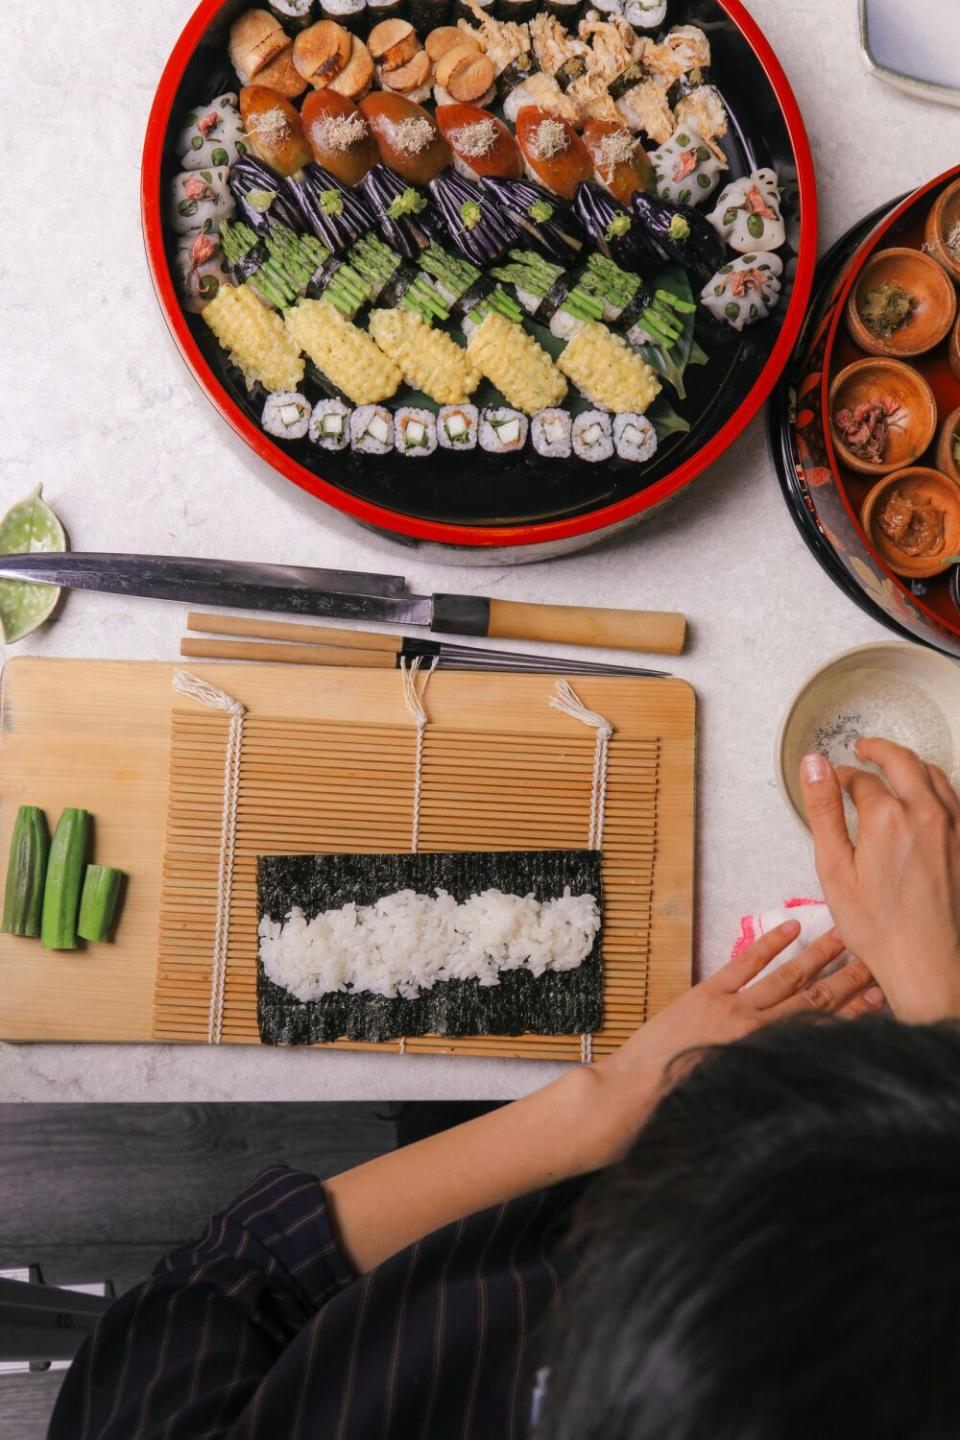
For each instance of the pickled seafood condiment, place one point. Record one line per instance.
(865, 428)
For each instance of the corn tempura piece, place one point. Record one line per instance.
(255, 338)
(608, 372)
(429, 359)
(346, 355)
(512, 360)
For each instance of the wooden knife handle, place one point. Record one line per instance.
(659, 632)
(286, 654)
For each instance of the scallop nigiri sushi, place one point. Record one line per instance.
(482, 145)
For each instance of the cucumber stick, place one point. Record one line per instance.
(26, 872)
(61, 894)
(98, 901)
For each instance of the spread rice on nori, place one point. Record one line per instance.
(557, 1003)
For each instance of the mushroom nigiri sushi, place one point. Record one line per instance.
(481, 144)
(553, 152)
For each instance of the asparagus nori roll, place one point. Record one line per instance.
(351, 14)
(294, 14)
(427, 15)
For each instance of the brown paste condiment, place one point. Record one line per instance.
(912, 523)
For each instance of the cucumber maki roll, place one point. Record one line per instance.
(371, 430)
(568, 12)
(550, 433)
(294, 14)
(520, 12)
(330, 425)
(645, 14)
(502, 430)
(427, 15)
(199, 200)
(414, 432)
(378, 10)
(634, 437)
(351, 14)
(592, 436)
(457, 427)
(463, 11)
(212, 135)
(286, 415)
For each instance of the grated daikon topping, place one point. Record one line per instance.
(548, 139)
(412, 135)
(271, 126)
(476, 139)
(615, 149)
(339, 132)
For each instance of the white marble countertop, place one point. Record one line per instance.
(96, 403)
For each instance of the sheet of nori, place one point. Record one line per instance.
(558, 1003)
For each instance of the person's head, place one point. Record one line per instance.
(778, 1258)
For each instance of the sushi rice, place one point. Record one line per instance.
(634, 437)
(330, 425)
(457, 427)
(502, 429)
(415, 432)
(550, 433)
(286, 415)
(592, 435)
(371, 430)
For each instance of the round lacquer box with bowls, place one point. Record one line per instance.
(496, 280)
(866, 424)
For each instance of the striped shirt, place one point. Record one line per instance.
(262, 1332)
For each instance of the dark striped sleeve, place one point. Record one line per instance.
(185, 1354)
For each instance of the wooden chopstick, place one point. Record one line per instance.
(287, 630)
(287, 654)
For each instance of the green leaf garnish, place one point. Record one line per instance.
(30, 527)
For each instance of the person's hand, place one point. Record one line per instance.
(895, 894)
(720, 1010)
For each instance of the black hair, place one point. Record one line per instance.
(778, 1256)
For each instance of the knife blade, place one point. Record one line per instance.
(344, 595)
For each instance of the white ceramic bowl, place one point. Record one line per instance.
(931, 672)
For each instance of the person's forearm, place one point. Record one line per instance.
(567, 1129)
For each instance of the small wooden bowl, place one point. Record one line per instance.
(949, 436)
(944, 215)
(953, 351)
(936, 487)
(865, 379)
(926, 281)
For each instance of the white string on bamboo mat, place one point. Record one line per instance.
(566, 699)
(191, 685)
(413, 699)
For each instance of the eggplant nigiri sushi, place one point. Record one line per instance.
(481, 144)
(553, 152)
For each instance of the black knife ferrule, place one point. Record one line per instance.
(461, 615)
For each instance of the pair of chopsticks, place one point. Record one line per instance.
(294, 644)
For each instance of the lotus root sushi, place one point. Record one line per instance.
(430, 360)
(521, 369)
(255, 339)
(346, 355)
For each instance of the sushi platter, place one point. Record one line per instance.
(557, 247)
(327, 773)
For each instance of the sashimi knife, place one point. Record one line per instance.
(346, 595)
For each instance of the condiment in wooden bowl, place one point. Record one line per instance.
(903, 304)
(953, 350)
(942, 231)
(913, 518)
(883, 415)
(948, 446)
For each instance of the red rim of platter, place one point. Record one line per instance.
(868, 248)
(474, 536)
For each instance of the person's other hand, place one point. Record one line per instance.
(720, 1010)
(895, 894)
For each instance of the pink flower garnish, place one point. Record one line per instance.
(756, 205)
(686, 162)
(195, 188)
(743, 281)
(208, 122)
(202, 249)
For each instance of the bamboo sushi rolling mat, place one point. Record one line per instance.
(327, 763)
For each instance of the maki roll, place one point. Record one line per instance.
(547, 223)
(405, 216)
(378, 10)
(286, 415)
(467, 9)
(336, 215)
(550, 433)
(478, 228)
(744, 291)
(515, 74)
(371, 430)
(502, 430)
(568, 12)
(608, 9)
(260, 199)
(294, 14)
(518, 12)
(426, 15)
(199, 200)
(592, 436)
(330, 425)
(351, 14)
(634, 437)
(645, 14)
(457, 427)
(212, 135)
(414, 432)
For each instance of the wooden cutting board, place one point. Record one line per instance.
(328, 764)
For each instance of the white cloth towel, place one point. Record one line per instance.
(815, 920)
